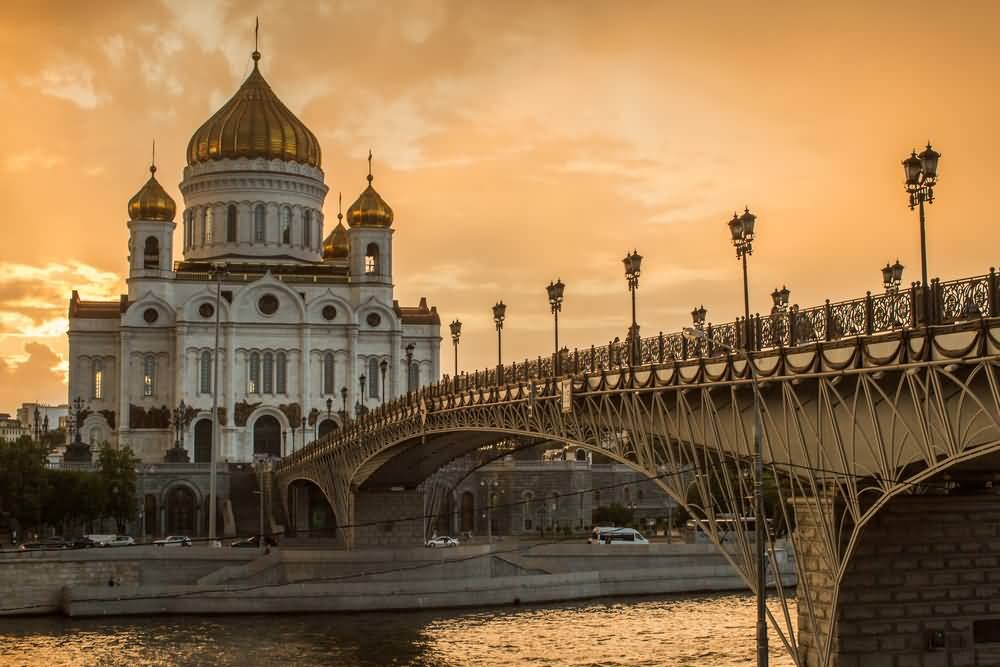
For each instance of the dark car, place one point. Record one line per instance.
(50, 544)
(253, 542)
(84, 542)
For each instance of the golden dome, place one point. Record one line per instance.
(337, 245)
(151, 202)
(254, 123)
(370, 210)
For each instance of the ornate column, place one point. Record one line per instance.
(395, 350)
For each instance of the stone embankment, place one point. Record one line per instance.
(145, 580)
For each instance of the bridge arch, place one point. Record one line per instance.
(309, 510)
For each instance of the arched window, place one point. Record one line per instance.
(206, 372)
(307, 223)
(373, 377)
(209, 225)
(328, 373)
(414, 380)
(286, 225)
(371, 258)
(151, 253)
(281, 373)
(267, 382)
(253, 384)
(148, 374)
(97, 390)
(231, 223)
(259, 214)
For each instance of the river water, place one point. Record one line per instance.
(695, 631)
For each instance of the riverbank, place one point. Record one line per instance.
(148, 581)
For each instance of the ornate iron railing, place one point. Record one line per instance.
(943, 303)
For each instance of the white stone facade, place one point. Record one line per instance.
(294, 328)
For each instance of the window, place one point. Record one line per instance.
(98, 385)
(231, 223)
(307, 223)
(267, 383)
(414, 381)
(328, 373)
(281, 374)
(206, 372)
(259, 213)
(371, 258)
(286, 225)
(373, 377)
(151, 253)
(209, 224)
(148, 374)
(253, 384)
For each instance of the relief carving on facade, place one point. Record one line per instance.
(222, 417)
(139, 417)
(293, 411)
(243, 410)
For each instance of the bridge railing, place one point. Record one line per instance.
(909, 308)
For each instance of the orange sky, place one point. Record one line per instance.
(517, 142)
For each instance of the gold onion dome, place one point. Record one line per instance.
(337, 245)
(254, 123)
(151, 202)
(370, 210)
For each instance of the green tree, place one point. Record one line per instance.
(73, 497)
(22, 481)
(612, 515)
(119, 479)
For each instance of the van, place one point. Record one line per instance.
(101, 540)
(613, 535)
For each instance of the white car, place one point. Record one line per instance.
(119, 541)
(443, 541)
(174, 541)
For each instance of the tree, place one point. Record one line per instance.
(119, 478)
(22, 481)
(72, 497)
(612, 515)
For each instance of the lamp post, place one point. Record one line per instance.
(921, 172)
(409, 367)
(456, 333)
(779, 297)
(698, 317)
(555, 291)
(632, 263)
(383, 367)
(760, 524)
(360, 408)
(490, 485)
(181, 419)
(303, 431)
(293, 423)
(343, 403)
(37, 424)
(892, 276)
(741, 228)
(216, 273)
(499, 314)
(329, 409)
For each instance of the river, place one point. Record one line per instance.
(695, 631)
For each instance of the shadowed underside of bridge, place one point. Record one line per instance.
(848, 425)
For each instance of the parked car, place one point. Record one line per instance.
(443, 541)
(101, 540)
(254, 542)
(50, 544)
(120, 541)
(84, 542)
(174, 541)
(613, 535)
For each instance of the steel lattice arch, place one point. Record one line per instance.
(872, 403)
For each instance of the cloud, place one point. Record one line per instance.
(33, 298)
(32, 158)
(40, 374)
(73, 82)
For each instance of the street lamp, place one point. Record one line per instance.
(741, 228)
(499, 314)
(758, 498)
(921, 172)
(329, 409)
(217, 271)
(555, 291)
(632, 263)
(456, 333)
(303, 431)
(780, 299)
(343, 403)
(383, 367)
(360, 408)
(409, 365)
(490, 485)
(698, 317)
(181, 419)
(892, 276)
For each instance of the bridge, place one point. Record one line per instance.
(881, 422)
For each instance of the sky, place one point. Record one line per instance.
(518, 142)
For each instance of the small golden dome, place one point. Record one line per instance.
(254, 123)
(151, 202)
(370, 210)
(337, 245)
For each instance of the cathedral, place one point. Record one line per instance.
(289, 329)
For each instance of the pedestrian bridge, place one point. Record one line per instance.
(864, 402)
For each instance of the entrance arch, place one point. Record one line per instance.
(327, 426)
(267, 436)
(309, 511)
(181, 506)
(203, 441)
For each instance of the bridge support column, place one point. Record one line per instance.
(816, 563)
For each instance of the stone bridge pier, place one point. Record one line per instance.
(920, 589)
